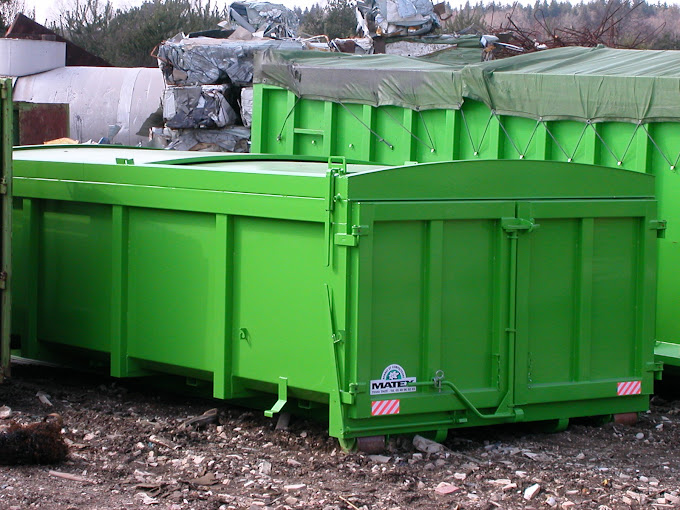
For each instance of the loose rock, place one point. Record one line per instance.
(531, 491)
(427, 445)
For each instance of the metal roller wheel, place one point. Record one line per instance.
(371, 444)
(626, 418)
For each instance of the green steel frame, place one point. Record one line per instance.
(5, 225)
(286, 125)
(491, 291)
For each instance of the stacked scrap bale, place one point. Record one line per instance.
(207, 104)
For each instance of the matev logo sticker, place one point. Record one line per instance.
(393, 380)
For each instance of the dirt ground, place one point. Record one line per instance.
(128, 450)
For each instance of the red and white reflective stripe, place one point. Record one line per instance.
(629, 388)
(383, 407)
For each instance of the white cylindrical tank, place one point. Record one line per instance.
(98, 97)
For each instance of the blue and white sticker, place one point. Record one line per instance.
(393, 380)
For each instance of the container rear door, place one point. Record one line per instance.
(584, 292)
(433, 295)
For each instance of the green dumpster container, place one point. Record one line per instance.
(394, 299)
(600, 106)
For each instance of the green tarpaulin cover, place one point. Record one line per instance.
(585, 84)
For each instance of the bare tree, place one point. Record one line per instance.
(9, 10)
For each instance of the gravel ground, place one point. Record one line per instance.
(128, 449)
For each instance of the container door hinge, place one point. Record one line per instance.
(512, 225)
(338, 164)
(660, 227)
(346, 398)
(356, 388)
(351, 239)
(654, 366)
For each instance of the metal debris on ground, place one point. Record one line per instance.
(284, 418)
(427, 445)
(69, 476)
(44, 398)
(210, 416)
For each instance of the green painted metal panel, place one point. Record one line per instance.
(488, 285)
(390, 135)
(169, 251)
(74, 245)
(445, 283)
(6, 125)
(280, 324)
(583, 327)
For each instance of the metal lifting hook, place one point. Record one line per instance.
(437, 379)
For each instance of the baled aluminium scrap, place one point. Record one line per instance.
(197, 106)
(208, 61)
(273, 20)
(228, 139)
(396, 17)
(441, 48)
(247, 105)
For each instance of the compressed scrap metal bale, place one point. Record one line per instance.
(247, 105)
(207, 61)
(358, 46)
(197, 106)
(396, 17)
(273, 20)
(229, 139)
(442, 48)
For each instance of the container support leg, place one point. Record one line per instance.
(283, 398)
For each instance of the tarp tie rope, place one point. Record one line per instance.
(670, 163)
(467, 128)
(566, 155)
(570, 158)
(526, 149)
(498, 118)
(578, 143)
(476, 148)
(380, 138)
(630, 142)
(413, 135)
(283, 126)
(433, 148)
(618, 161)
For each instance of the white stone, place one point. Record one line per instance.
(294, 487)
(531, 491)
